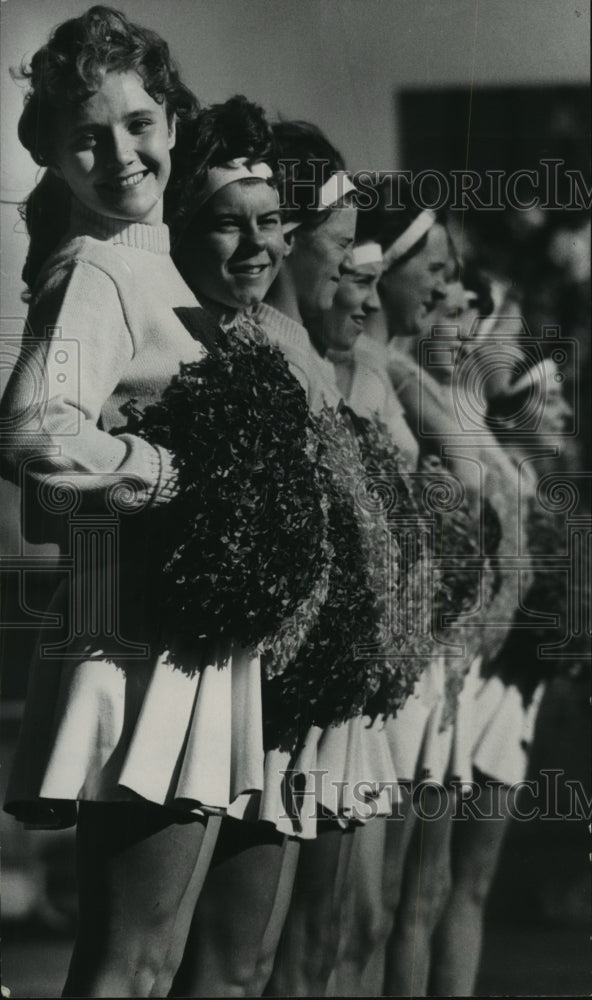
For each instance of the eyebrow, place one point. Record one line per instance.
(226, 214)
(82, 124)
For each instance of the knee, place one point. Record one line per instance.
(322, 943)
(262, 974)
(473, 887)
(225, 949)
(366, 934)
(433, 897)
(132, 956)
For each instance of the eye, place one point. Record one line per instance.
(225, 225)
(270, 221)
(84, 140)
(139, 125)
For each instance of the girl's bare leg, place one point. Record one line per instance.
(476, 846)
(374, 887)
(279, 913)
(424, 891)
(168, 971)
(308, 948)
(135, 861)
(232, 913)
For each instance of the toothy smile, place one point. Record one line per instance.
(249, 270)
(120, 183)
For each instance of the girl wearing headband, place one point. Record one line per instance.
(319, 222)
(412, 283)
(230, 246)
(415, 252)
(223, 208)
(360, 365)
(499, 703)
(324, 872)
(105, 719)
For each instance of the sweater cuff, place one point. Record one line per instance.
(167, 487)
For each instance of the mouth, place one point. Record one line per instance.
(359, 320)
(118, 184)
(248, 270)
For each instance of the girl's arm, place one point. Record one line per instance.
(79, 352)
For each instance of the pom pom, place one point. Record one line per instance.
(410, 642)
(329, 682)
(244, 543)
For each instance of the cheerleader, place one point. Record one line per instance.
(360, 365)
(414, 873)
(319, 226)
(501, 699)
(106, 719)
(224, 212)
(409, 954)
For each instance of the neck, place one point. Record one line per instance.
(141, 235)
(282, 296)
(376, 327)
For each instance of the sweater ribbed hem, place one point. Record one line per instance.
(139, 235)
(168, 481)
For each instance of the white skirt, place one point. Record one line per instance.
(420, 747)
(494, 728)
(112, 730)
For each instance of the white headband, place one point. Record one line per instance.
(332, 191)
(418, 228)
(367, 253)
(543, 373)
(234, 170)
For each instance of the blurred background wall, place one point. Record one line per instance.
(338, 63)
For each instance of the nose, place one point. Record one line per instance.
(348, 260)
(439, 287)
(121, 150)
(255, 238)
(372, 301)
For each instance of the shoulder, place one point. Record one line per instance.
(99, 256)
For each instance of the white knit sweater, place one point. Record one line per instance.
(102, 330)
(315, 374)
(371, 393)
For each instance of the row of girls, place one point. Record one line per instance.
(217, 353)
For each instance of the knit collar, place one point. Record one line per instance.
(345, 358)
(272, 319)
(139, 235)
(367, 347)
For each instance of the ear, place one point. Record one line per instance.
(172, 132)
(289, 239)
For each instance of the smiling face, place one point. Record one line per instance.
(356, 298)
(113, 150)
(317, 258)
(409, 290)
(234, 249)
